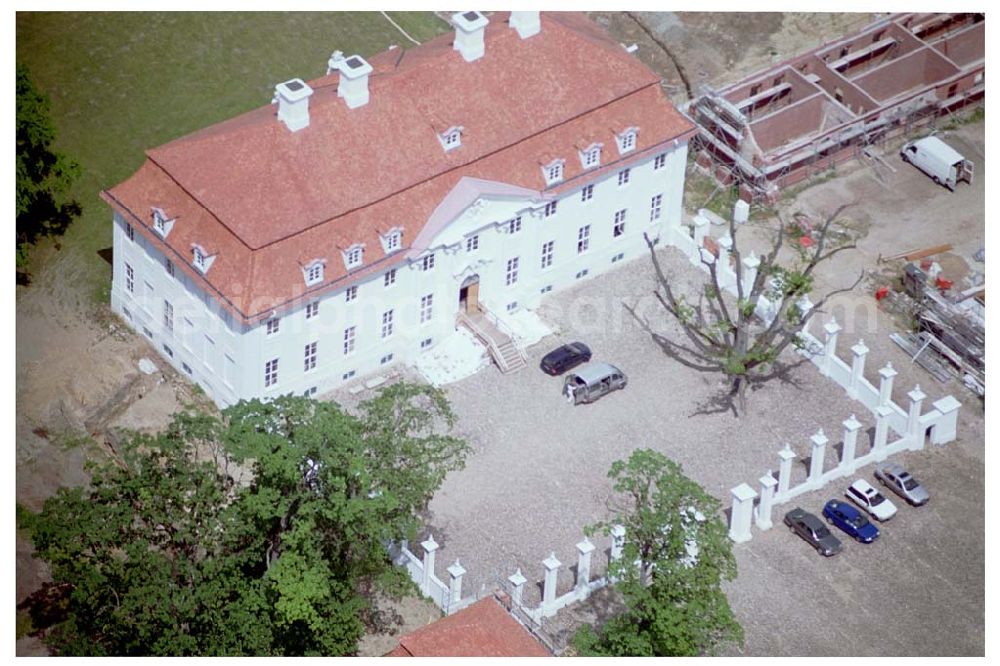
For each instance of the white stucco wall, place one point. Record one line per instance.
(232, 366)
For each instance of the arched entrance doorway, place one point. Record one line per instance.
(468, 295)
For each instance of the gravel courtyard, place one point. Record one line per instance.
(538, 472)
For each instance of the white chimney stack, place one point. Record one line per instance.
(526, 23)
(469, 30)
(354, 71)
(292, 98)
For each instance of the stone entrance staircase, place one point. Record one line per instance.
(502, 346)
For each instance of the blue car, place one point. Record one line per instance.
(850, 520)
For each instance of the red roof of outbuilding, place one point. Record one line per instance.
(268, 201)
(484, 629)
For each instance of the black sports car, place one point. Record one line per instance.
(565, 358)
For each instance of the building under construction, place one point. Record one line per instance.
(780, 126)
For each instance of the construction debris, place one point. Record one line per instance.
(919, 253)
(949, 336)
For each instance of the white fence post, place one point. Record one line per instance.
(552, 565)
(819, 441)
(882, 413)
(767, 486)
(946, 429)
(860, 352)
(518, 580)
(617, 546)
(832, 329)
(887, 374)
(430, 546)
(456, 571)
(741, 513)
(916, 397)
(584, 549)
(785, 469)
(700, 231)
(750, 265)
(851, 427)
(725, 272)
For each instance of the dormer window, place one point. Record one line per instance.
(314, 272)
(626, 139)
(451, 138)
(161, 223)
(201, 259)
(353, 256)
(553, 171)
(590, 156)
(392, 240)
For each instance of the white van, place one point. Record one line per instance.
(592, 381)
(938, 160)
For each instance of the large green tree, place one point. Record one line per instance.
(171, 552)
(674, 602)
(44, 175)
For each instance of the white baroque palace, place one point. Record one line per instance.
(345, 227)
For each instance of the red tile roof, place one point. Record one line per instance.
(269, 200)
(484, 629)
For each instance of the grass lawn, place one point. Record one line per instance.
(124, 82)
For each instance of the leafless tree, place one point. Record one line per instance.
(723, 334)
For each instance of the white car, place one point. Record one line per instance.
(864, 495)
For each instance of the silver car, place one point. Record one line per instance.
(901, 483)
(592, 381)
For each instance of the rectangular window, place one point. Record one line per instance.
(229, 370)
(660, 161)
(387, 324)
(310, 356)
(390, 277)
(582, 273)
(129, 279)
(619, 228)
(170, 352)
(587, 193)
(187, 368)
(654, 207)
(512, 270)
(168, 316)
(513, 226)
(349, 340)
(129, 232)
(472, 243)
(170, 267)
(210, 353)
(547, 251)
(512, 306)
(426, 342)
(392, 241)
(354, 256)
(618, 257)
(315, 273)
(347, 375)
(351, 293)
(385, 359)
(547, 288)
(273, 324)
(623, 177)
(426, 308)
(427, 263)
(312, 310)
(127, 313)
(583, 239)
(149, 333)
(311, 391)
(271, 372)
(550, 208)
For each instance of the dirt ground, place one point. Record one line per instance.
(76, 368)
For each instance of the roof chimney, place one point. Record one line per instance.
(526, 23)
(354, 71)
(292, 98)
(469, 29)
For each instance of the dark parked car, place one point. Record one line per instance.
(565, 358)
(850, 520)
(812, 529)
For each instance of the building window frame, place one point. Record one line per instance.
(271, 373)
(548, 251)
(583, 239)
(310, 355)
